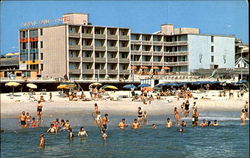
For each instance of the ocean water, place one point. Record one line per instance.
(229, 139)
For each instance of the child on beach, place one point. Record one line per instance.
(82, 132)
(33, 123)
(67, 125)
(98, 118)
(139, 117)
(168, 123)
(56, 124)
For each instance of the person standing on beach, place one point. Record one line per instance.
(186, 113)
(42, 141)
(50, 96)
(105, 122)
(39, 111)
(122, 124)
(22, 119)
(176, 115)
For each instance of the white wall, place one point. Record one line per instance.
(199, 46)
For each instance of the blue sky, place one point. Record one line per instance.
(212, 17)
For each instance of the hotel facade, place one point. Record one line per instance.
(83, 51)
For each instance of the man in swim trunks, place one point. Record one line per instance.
(22, 119)
(168, 123)
(122, 124)
(105, 122)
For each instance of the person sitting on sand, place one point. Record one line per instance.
(135, 124)
(22, 119)
(42, 141)
(82, 132)
(168, 123)
(215, 123)
(183, 124)
(52, 129)
(243, 116)
(105, 122)
(33, 123)
(203, 124)
(122, 124)
(28, 119)
(158, 97)
(67, 125)
(153, 126)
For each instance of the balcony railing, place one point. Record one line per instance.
(124, 71)
(103, 60)
(112, 48)
(176, 43)
(112, 37)
(146, 53)
(157, 53)
(87, 59)
(23, 40)
(74, 35)
(124, 60)
(100, 36)
(146, 63)
(114, 72)
(136, 62)
(74, 59)
(33, 39)
(101, 71)
(179, 63)
(100, 48)
(87, 47)
(146, 42)
(124, 37)
(157, 43)
(112, 60)
(175, 53)
(87, 71)
(74, 47)
(136, 52)
(157, 63)
(135, 42)
(124, 49)
(87, 35)
(24, 51)
(74, 71)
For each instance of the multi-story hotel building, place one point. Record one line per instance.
(82, 51)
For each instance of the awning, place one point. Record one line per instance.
(133, 67)
(165, 68)
(144, 67)
(155, 67)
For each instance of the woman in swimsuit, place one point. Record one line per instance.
(139, 115)
(82, 132)
(28, 118)
(176, 115)
(39, 110)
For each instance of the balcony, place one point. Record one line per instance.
(135, 62)
(112, 37)
(124, 49)
(146, 42)
(136, 52)
(74, 35)
(135, 42)
(100, 71)
(175, 53)
(112, 48)
(157, 43)
(87, 35)
(146, 53)
(112, 60)
(124, 60)
(176, 43)
(180, 63)
(23, 40)
(147, 63)
(33, 39)
(74, 47)
(100, 60)
(87, 59)
(157, 53)
(34, 50)
(100, 48)
(124, 72)
(113, 72)
(157, 63)
(74, 71)
(87, 71)
(124, 37)
(74, 59)
(100, 36)
(24, 51)
(87, 47)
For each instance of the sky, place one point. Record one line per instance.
(225, 17)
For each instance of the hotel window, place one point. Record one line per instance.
(212, 38)
(124, 67)
(41, 56)
(212, 59)
(41, 67)
(212, 48)
(41, 44)
(41, 32)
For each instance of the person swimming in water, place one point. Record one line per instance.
(215, 123)
(67, 125)
(135, 124)
(33, 123)
(122, 124)
(203, 124)
(209, 123)
(42, 141)
(183, 124)
(82, 132)
(181, 130)
(52, 129)
(22, 119)
(168, 123)
(153, 126)
(28, 119)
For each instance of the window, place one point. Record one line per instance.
(212, 48)
(41, 56)
(41, 67)
(212, 38)
(212, 59)
(41, 32)
(41, 44)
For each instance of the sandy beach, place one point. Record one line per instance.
(11, 108)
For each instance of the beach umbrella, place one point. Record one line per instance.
(155, 67)
(242, 81)
(165, 68)
(13, 85)
(144, 67)
(32, 86)
(159, 85)
(144, 85)
(66, 86)
(129, 86)
(109, 87)
(95, 84)
(173, 84)
(157, 88)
